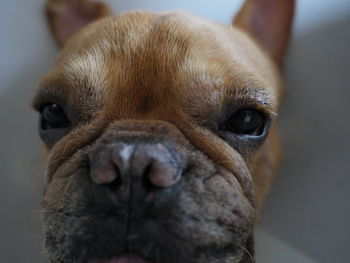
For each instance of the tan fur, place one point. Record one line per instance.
(100, 65)
(171, 67)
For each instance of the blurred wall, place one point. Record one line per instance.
(308, 207)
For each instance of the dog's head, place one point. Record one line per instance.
(160, 138)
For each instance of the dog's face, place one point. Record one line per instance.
(157, 130)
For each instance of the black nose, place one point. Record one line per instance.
(154, 163)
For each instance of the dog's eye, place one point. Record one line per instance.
(53, 117)
(245, 122)
(54, 124)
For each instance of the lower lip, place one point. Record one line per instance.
(123, 259)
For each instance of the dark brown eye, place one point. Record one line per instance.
(53, 117)
(245, 122)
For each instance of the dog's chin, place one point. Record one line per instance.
(121, 259)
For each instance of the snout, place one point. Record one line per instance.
(144, 193)
(152, 163)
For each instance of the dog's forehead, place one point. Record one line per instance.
(164, 54)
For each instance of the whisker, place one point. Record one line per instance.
(248, 253)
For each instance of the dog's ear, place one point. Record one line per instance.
(66, 17)
(269, 22)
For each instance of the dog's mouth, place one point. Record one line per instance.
(121, 259)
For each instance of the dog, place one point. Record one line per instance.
(160, 132)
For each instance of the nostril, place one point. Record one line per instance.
(103, 169)
(104, 173)
(116, 183)
(146, 179)
(156, 165)
(163, 168)
(163, 174)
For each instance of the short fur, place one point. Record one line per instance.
(169, 78)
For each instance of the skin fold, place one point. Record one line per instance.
(160, 83)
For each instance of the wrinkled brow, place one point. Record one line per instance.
(47, 92)
(213, 100)
(247, 89)
(260, 98)
(216, 94)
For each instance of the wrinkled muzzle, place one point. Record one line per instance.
(142, 189)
